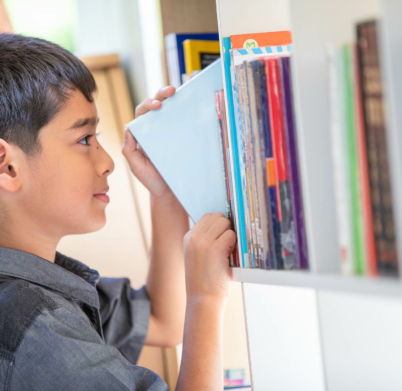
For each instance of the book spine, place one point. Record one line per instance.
(242, 163)
(288, 240)
(340, 160)
(259, 169)
(369, 240)
(239, 207)
(223, 158)
(229, 173)
(292, 146)
(270, 168)
(270, 254)
(377, 151)
(240, 74)
(357, 214)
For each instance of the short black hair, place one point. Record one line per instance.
(36, 79)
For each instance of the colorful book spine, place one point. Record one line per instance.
(369, 240)
(377, 150)
(229, 172)
(292, 146)
(356, 194)
(258, 132)
(241, 86)
(340, 160)
(277, 259)
(199, 54)
(242, 244)
(278, 134)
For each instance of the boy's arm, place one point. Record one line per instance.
(165, 284)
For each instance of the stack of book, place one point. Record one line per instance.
(187, 54)
(366, 229)
(264, 152)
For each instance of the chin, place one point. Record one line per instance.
(92, 225)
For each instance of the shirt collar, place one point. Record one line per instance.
(66, 275)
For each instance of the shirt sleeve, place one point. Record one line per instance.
(61, 351)
(125, 315)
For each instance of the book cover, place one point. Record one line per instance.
(340, 158)
(260, 174)
(182, 141)
(250, 41)
(356, 194)
(199, 54)
(238, 198)
(292, 146)
(175, 53)
(377, 150)
(369, 240)
(270, 167)
(278, 134)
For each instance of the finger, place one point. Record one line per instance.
(220, 225)
(147, 105)
(229, 237)
(202, 225)
(165, 92)
(130, 143)
(210, 219)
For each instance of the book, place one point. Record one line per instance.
(260, 172)
(270, 167)
(339, 149)
(175, 53)
(295, 181)
(199, 54)
(238, 203)
(355, 188)
(278, 134)
(182, 141)
(369, 240)
(257, 40)
(377, 150)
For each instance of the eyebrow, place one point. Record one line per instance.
(80, 123)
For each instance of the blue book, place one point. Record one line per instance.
(175, 53)
(182, 140)
(235, 153)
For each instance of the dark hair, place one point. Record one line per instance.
(36, 79)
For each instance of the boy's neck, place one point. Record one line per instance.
(30, 242)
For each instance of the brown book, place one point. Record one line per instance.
(377, 151)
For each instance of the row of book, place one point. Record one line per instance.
(366, 230)
(261, 143)
(187, 54)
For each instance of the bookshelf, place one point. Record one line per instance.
(318, 329)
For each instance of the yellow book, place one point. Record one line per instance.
(199, 54)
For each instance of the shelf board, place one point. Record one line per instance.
(332, 282)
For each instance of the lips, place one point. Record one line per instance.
(102, 196)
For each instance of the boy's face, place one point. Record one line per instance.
(58, 186)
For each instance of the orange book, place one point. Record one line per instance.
(249, 41)
(371, 263)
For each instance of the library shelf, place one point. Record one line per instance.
(383, 286)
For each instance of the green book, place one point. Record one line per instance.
(355, 187)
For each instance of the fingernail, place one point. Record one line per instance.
(164, 88)
(155, 101)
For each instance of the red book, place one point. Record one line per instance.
(280, 152)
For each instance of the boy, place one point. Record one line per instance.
(62, 327)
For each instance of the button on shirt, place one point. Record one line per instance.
(63, 327)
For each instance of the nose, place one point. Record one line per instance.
(105, 164)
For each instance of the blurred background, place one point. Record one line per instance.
(123, 44)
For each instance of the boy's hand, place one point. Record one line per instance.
(207, 247)
(138, 161)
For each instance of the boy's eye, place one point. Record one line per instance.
(86, 138)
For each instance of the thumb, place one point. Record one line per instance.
(130, 143)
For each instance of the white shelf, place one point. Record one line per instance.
(332, 282)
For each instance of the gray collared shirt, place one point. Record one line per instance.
(63, 327)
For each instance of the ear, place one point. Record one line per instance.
(9, 170)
